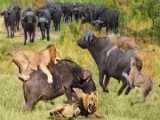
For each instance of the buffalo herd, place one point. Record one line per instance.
(111, 61)
(97, 15)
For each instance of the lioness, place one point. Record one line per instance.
(122, 42)
(28, 61)
(86, 105)
(137, 79)
(65, 111)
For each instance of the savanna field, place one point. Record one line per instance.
(111, 106)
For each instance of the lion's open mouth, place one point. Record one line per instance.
(91, 108)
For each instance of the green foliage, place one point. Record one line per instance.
(153, 10)
(156, 28)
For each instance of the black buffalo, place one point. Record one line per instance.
(107, 18)
(67, 11)
(114, 63)
(44, 21)
(100, 16)
(10, 21)
(29, 24)
(56, 15)
(91, 12)
(65, 73)
(17, 9)
(77, 11)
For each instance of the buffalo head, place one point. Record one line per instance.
(87, 40)
(98, 24)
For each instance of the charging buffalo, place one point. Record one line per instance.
(111, 63)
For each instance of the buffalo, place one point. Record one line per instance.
(17, 9)
(67, 11)
(56, 15)
(65, 73)
(108, 19)
(88, 13)
(111, 63)
(29, 22)
(100, 16)
(10, 21)
(44, 21)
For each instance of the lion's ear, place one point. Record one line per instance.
(79, 92)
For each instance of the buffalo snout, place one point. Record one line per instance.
(81, 43)
(86, 40)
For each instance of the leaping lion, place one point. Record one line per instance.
(27, 61)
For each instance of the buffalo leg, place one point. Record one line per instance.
(69, 94)
(105, 83)
(42, 33)
(124, 85)
(56, 26)
(12, 33)
(101, 79)
(30, 102)
(59, 26)
(48, 36)
(7, 30)
(32, 36)
(17, 25)
(128, 90)
(25, 37)
(31, 98)
(129, 85)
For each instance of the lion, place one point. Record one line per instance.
(86, 105)
(65, 111)
(28, 61)
(137, 79)
(122, 42)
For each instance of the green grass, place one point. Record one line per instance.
(111, 106)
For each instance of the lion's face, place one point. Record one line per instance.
(53, 53)
(89, 100)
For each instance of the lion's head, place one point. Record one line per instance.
(89, 101)
(53, 52)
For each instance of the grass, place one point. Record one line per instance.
(111, 106)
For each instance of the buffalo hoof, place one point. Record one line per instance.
(106, 90)
(119, 93)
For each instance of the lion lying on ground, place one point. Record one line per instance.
(28, 61)
(86, 105)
